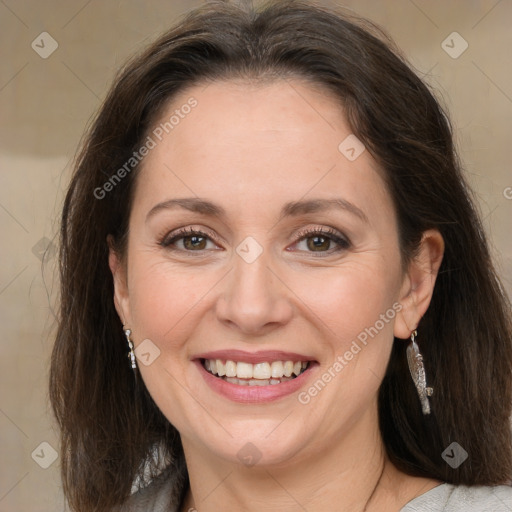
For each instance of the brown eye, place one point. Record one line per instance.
(318, 243)
(192, 240)
(321, 241)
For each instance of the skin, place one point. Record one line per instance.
(251, 148)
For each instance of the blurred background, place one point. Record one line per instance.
(58, 59)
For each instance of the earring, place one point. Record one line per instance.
(131, 353)
(415, 360)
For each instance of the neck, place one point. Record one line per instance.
(352, 475)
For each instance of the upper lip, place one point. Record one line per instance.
(253, 357)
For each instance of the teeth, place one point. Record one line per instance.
(259, 374)
(258, 382)
(244, 370)
(261, 371)
(221, 369)
(288, 368)
(230, 369)
(255, 382)
(276, 369)
(231, 380)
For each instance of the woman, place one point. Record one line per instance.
(276, 291)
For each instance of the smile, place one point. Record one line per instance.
(256, 377)
(259, 374)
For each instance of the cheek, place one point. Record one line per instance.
(350, 298)
(164, 297)
(167, 299)
(355, 308)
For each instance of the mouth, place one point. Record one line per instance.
(255, 377)
(265, 373)
(259, 377)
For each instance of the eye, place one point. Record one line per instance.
(192, 240)
(315, 240)
(321, 240)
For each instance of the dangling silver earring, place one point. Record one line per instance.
(131, 353)
(415, 360)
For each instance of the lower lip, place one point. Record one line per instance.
(255, 394)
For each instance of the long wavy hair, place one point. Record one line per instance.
(109, 423)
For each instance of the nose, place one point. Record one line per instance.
(256, 299)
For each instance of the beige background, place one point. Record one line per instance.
(45, 105)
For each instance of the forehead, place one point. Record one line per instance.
(243, 112)
(254, 142)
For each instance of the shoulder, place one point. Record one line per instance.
(162, 494)
(461, 498)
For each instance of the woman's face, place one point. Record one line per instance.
(259, 235)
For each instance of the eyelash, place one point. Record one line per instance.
(342, 242)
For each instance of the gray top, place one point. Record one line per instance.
(452, 498)
(163, 494)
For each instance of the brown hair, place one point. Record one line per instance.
(109, 422)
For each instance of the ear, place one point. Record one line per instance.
(118, 269)
(418, 284)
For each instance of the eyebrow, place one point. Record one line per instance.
(295, 208)
(290, 209)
